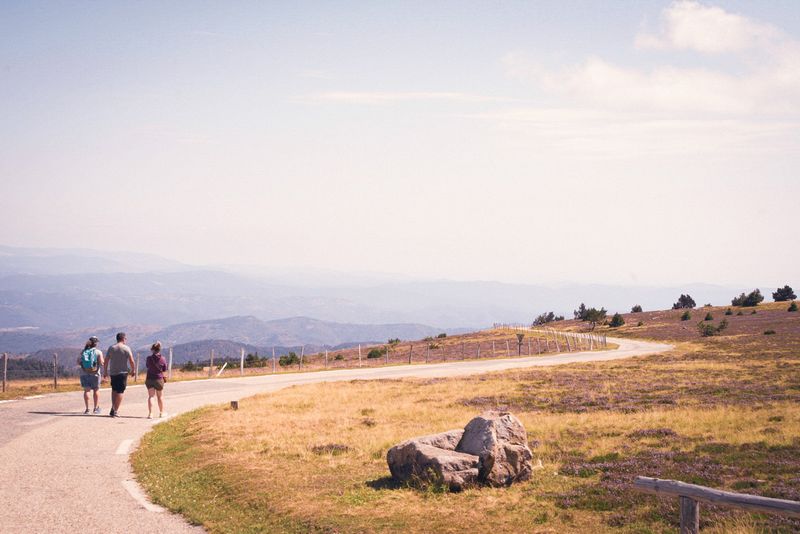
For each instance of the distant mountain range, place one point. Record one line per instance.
(62, 295)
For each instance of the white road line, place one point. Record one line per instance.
(9, 400)
(136, 492)
(124, 447)
(34, 397)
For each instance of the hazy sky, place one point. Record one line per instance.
(648, 142)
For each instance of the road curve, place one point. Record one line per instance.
(61, 471)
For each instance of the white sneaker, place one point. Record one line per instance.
(86, 412)
(149, 416)
(96, 410)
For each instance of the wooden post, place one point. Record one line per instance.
(55, 371)
(169, 367)
(5, 370)
(508, 349)
(302, 354)
(410, 352)
(273, 359)
(427, 353)
(538, 346)
(569, 347)
(690, 516)
(605, 342)
(241, 363)
(359, 355)
(234, 405)
(492, 348)
(529, 346)
(326, 358)
(478, 352)
(210, 364)
(387, 353)
(463, 354)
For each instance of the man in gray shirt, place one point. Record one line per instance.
(117, 366)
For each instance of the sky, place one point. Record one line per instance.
(642, 142)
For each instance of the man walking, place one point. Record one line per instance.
(118, 365)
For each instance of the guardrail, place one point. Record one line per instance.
(691, 495)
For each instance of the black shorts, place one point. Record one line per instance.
(119, 383)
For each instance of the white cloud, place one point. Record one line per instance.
(688, 25)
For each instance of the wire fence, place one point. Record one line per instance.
(501, 341)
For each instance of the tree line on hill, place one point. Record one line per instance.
(685, 302)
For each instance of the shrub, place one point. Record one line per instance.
(636, 309)
(749, 300)
(442, 335)
(686, 315)
(338, 357)
(288, 359)
(769, 332)
(616, 321)
(729, 312)
(429, 338)
(739, 313)
(684, 301)
(376, 353)
(640, 323)
(394, 341)
(792, 307)
(709, 317)
(707, 329)
(189, 366)
(782, 294)
(547, 317)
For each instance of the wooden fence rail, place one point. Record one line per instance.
(691, 495)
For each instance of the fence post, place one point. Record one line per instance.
(5, 370)
(690, 516)
(427, 353)
(241, 363)
(538, 346)
(569, 347)
(410, 352)
(359, 355)
(387, 353)
(55, 370)
(302, 354)
(326, 358)
(508, 349)
(273, 359)
(493, 348)
(463, 355)
(169, 368)
(478, 351)
(210, 365)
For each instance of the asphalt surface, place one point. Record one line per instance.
(62, 471)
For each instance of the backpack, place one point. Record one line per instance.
(89, 360)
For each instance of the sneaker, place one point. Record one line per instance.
(86, 411)
(160, 415)
(112, 413)
(96, 410)
(149, 416)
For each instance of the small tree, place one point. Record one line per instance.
(376, 353)
(707, 329)
(636, 309)
(792, 307)
(686, 315)
(442, 335)
(783, 294)
(684, 301)
(749, 300)
(581, 312)
(729, 312)
(594, 316)
(288, 359)
(547, 317)
(709, 317)
(189, 366)
(616, 321)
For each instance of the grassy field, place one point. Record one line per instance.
(719, 411)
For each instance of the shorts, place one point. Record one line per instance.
(154, 383)
(119, 383)
(89, 381)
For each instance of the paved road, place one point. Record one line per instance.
(61, 471)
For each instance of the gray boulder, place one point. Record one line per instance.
(501, 442)
(434, 459)
(492, 449)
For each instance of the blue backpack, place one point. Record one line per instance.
(89, 360)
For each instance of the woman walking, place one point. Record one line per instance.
(90, 362)
(156, 365)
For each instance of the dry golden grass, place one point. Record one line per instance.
(717, 411)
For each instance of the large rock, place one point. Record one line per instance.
(492, 449)
(501, 443)
(434, 459)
